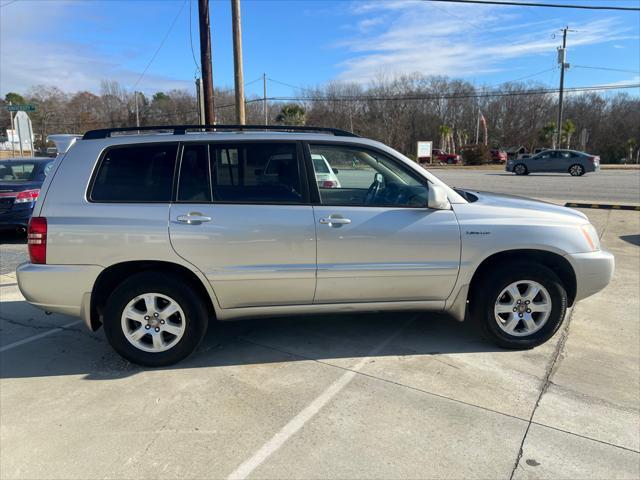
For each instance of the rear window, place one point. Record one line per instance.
(12, 171)
(141, 173)
(256, 173)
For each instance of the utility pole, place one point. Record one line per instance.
(237, 61)
(264, 101)
(562, 57)
(205, 61)
(135, 94)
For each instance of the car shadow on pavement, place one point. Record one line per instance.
(632, 239)
(76, 351)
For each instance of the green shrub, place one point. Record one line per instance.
(476, 154)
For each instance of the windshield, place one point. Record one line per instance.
(21, 171)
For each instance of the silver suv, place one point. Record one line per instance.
(153, 235)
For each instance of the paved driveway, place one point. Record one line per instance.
(358, 396)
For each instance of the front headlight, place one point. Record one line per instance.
(591, 236)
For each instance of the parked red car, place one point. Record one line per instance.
(498, 156)
(444, 157)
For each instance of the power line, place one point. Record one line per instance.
(606, 68)
(452, 96)
(193, 53)
(164, 39)
(532, 75)
(8, 3)
(530, 4)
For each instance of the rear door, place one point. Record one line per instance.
(242, 216)
(377, 240)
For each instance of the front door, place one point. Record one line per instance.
(242, 217)
(377, 240)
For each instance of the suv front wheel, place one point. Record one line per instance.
(153, 319)
(520, 305)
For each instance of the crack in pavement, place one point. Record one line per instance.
(545, 385)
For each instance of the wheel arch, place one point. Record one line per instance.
(551, 260)
(113, 275)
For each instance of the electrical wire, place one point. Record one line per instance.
(8, 3)
(164, 39)
(606, 68)
(481, 94)
(193, 53)
(532, 4)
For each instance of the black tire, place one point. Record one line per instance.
(520, 169)
(195, 312)
(576, 170)
(495, 281)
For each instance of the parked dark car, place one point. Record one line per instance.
(20, 182)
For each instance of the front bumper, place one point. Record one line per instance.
(62, 289)
(594, 271)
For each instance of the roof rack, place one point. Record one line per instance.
(182, 129)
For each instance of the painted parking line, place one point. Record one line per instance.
(297, 422)
(602, 206)
(38, 336)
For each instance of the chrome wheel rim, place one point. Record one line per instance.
(522, 308)
(576, 170)
(153, 322)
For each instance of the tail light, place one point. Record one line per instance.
(27, 196)
(37, 239)
(329, 184)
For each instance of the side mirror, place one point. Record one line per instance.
(335, 170)
(438, 198)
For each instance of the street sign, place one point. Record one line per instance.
(424, 149)
(21, 108)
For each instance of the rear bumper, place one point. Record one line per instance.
(593, 271)
(15, 218)
(62, 289)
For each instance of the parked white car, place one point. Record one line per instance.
(326, 176)
(153, 235)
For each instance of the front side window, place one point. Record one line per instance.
(366, 178)
(138, 173)
(256, 173)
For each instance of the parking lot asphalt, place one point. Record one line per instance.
(606, 186)
(393, 395)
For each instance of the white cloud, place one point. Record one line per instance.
(33, 53)
(457, 40)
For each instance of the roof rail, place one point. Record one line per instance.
(182, 129)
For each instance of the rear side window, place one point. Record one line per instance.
(140, 173)
(256, 173)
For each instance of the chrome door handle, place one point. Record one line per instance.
(193, 218)
(334, 221)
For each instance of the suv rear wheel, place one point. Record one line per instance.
(153, 319)
(520, 305)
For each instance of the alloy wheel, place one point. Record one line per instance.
(576, 170)
(153, 322)
(522, 308)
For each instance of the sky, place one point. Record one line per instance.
(75, 44)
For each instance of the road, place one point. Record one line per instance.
(606, 186)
